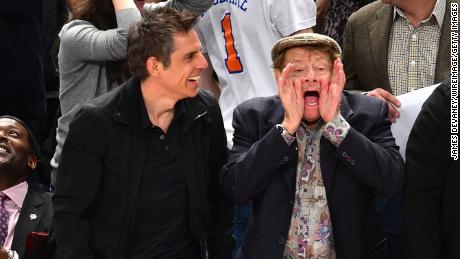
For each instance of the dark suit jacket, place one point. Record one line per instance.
(365, 54)
(262, 168)
(37, 203)
(432, 196)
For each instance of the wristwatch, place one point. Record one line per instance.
(282, 130)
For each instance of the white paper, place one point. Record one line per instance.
(411, 104)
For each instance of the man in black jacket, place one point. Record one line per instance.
(139, 171)
(432, 193)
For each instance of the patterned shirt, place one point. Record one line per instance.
(310, 233)
(412, 51)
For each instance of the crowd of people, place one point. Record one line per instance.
(222, 129)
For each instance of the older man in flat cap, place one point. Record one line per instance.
(311, 160)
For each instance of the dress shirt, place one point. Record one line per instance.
(13, 205)
(310, 233)
(413, 50)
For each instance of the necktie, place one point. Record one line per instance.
(3, 218)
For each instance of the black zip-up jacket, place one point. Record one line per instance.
(101, 165)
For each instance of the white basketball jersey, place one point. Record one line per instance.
(238, 36)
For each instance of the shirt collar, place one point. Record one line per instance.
(179, 109)
(317, 127)
(438, 12)
(17, 193)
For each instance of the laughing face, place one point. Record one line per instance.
(15, 155)
(313, 67)
(180, 79)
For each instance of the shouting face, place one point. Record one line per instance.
(314, 68)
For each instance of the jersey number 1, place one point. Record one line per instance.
(232, 61)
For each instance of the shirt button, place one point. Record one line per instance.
(162, 137)
(414, 36)
(412, 63)
(281, 240)
(166, 147)
(285, 159)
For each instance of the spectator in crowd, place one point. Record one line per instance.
(333, 16)
(147, 185)
(22, 208)
(21, 65)
(393, 47)
(238, 47)
(236, 39)
(92, 49)
(431, 197)
(311, 159)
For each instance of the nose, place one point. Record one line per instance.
(202, 63)
(3, 134)
(310, 76)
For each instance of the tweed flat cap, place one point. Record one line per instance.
(304, 39)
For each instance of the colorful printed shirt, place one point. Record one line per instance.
(310, 234)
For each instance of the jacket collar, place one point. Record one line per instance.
(32, 212)
(379, 35)
(127, 109)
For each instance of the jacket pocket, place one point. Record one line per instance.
(380, 250)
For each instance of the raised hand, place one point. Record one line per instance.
(383, 95)
(291, 96)
(331, 93)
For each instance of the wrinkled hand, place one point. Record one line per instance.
(290, 93)
(393, 103)
(331, 94)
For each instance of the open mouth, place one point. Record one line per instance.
(311, 97)
(193, 79)
(4, 148)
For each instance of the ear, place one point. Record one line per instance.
(153, 66)
(277, 74)
(32, 161)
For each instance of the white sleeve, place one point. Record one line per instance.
(290, 16)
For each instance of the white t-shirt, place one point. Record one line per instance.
(238, 36)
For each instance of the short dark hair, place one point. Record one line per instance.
(33, 147)
(153, 36)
